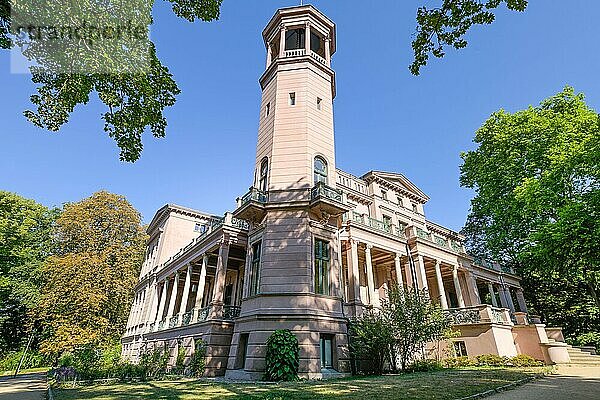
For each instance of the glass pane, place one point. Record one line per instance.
(295, 39)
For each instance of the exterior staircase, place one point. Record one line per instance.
(583, 356)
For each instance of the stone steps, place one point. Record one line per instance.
(582, 357)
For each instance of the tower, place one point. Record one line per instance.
(292, 278)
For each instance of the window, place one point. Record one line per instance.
(384, 194)
(326, 350)
(319, 101)
(292, 99)
(460, 349)
(387, 221)
(242, 350)
(264, 172)
(255, 269)
(268, 109)
(316, 44)
(320, 170)
(414, 208)
(295, 39)
(200, 228)
(321, 267)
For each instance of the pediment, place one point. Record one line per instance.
(399, 182)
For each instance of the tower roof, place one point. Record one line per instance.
(296, 14)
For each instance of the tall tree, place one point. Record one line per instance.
(536, 174)
(89, 281)
(24, 243)
(135, 102)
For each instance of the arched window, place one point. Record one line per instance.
(264, 172)
(320, 170)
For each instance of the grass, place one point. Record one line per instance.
(25, 371)
(446, 384)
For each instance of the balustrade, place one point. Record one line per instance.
(478, 314)
(231, 312)
(186, 318)
(322, 190)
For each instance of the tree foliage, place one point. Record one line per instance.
(399, 330)
(447, 25)
(135, 103)
(537, 204)
(25, 228)
(89, 281)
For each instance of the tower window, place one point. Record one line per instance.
(268, 109)
(295, 39)
(414, 208)
(320, 170)
(321, 267)
(264, 172)
(255, 268)
(384, 195)
(319, 101)
(292, 99)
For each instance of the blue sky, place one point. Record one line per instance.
(385, 118)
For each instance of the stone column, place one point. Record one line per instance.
(421, 271)
(269, 56)
(521, 300)
(457, 288)
(508, 298)
(186, 293)
(151, 315)
(173, 299)
(219, 283)
(282, 41)
(492, 294)
(473, 291)
(398, 268)
(353, 272)
(373, 296)
(163, 300)
(440, 283)
(307, 39)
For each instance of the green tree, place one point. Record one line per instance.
(89, 281)
(400, 328)
(24, 243)
(537, 203)
(135, 102)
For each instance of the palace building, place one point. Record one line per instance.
(310, 246)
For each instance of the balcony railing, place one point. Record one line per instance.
(240, 223)
(186, 318)
(254, 195)
(482, 262)
(295, 53)
(231, 312)
(203, 314)
(483, 313)
(161, 325)
(173, 321)
(322, 190)
(374, 223)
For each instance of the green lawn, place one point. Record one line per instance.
(25, 371)
(447, 384)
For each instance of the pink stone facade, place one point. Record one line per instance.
(310, 246)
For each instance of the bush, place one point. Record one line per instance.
(523, 360)
(588, 339)
(198, 360)
(491, 360)
(371, 339)
(153, 364)
(458, 362)
(32, 360)
(424, 366)
(282, 359)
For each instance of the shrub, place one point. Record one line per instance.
(371, 339)
(491, 360)
(458, 362)
(523, 360)
(153, 364)
(588, 339)
(282, 359)
(198, 360)
(424, 366)
(32, 360)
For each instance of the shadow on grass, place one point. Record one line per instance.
(446, 384)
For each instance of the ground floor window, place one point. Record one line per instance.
(326, 349)
(460, 349)
(242, 351)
